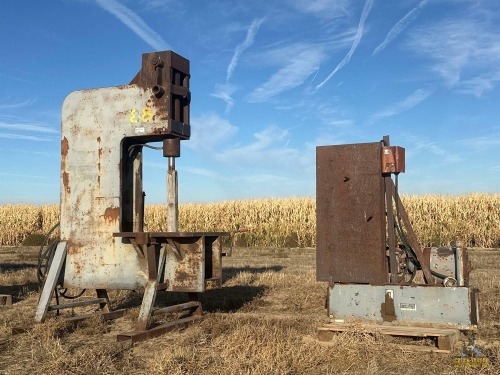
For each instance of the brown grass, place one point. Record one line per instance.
(289, 222)
(263, 321)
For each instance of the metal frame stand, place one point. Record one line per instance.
(49, 288)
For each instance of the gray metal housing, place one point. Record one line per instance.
(408, 304)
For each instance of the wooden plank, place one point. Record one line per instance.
(394, 330)
(5, 300)
(446, 337)
(447, 342)
(419, 348)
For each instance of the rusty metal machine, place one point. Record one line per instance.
(368, 252)
(102, 243)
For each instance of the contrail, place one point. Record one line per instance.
(402, 24)
(357, 38)
(17, 105)
(27, 127)
(240, 48)
(134, 23)
(407, 103)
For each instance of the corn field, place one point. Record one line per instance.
(289, 222)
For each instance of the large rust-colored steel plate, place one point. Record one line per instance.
(350, 214)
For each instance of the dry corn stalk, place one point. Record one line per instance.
(283, 222)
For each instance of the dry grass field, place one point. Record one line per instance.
(263, 321)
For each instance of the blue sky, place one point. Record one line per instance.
(271, 80)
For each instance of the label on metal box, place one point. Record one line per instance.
(407, 306)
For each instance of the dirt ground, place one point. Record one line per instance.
(263, 321)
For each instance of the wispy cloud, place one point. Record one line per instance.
(481, 143)
(203, 172)
(134, 23)
(27, 127)
(357, 39)
(225, 92)
(26, 103)
(164, 6)
(477, 86)
(52, 153)
(269, 145)
(419, 144)
(298, 68)
(324, 8)
(13, 127)
(23, 175)
(464, 52)
(25, 137)
(409, 102)
(209, 131)
(15, 78)
(240, 48)
(400, 26)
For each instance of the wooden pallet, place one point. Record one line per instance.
(5, 299)
(445, 343)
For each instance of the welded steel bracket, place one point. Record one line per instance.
(176, 261)
(49, 288)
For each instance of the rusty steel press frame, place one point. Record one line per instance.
(368, 252)
(103, 244)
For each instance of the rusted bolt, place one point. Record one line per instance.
(158, 63)
(158, 91)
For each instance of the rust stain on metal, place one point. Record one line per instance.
(187, 269)
(65, 178)
(65, 175)
(387, 310)
(444, 252)
(161, 130)
(112, 213)
(350, 214)
(182, 275)
(99, 154)
(64, 147)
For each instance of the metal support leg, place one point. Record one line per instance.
(51, 282)
(149, 298)
(172, 197)
(412, 239)
(194, 297)
(161, 262)
(147, 306)
(104, 306)
(391, 235)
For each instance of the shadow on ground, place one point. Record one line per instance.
(227, 299)
(19, 292)
(9, 267)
